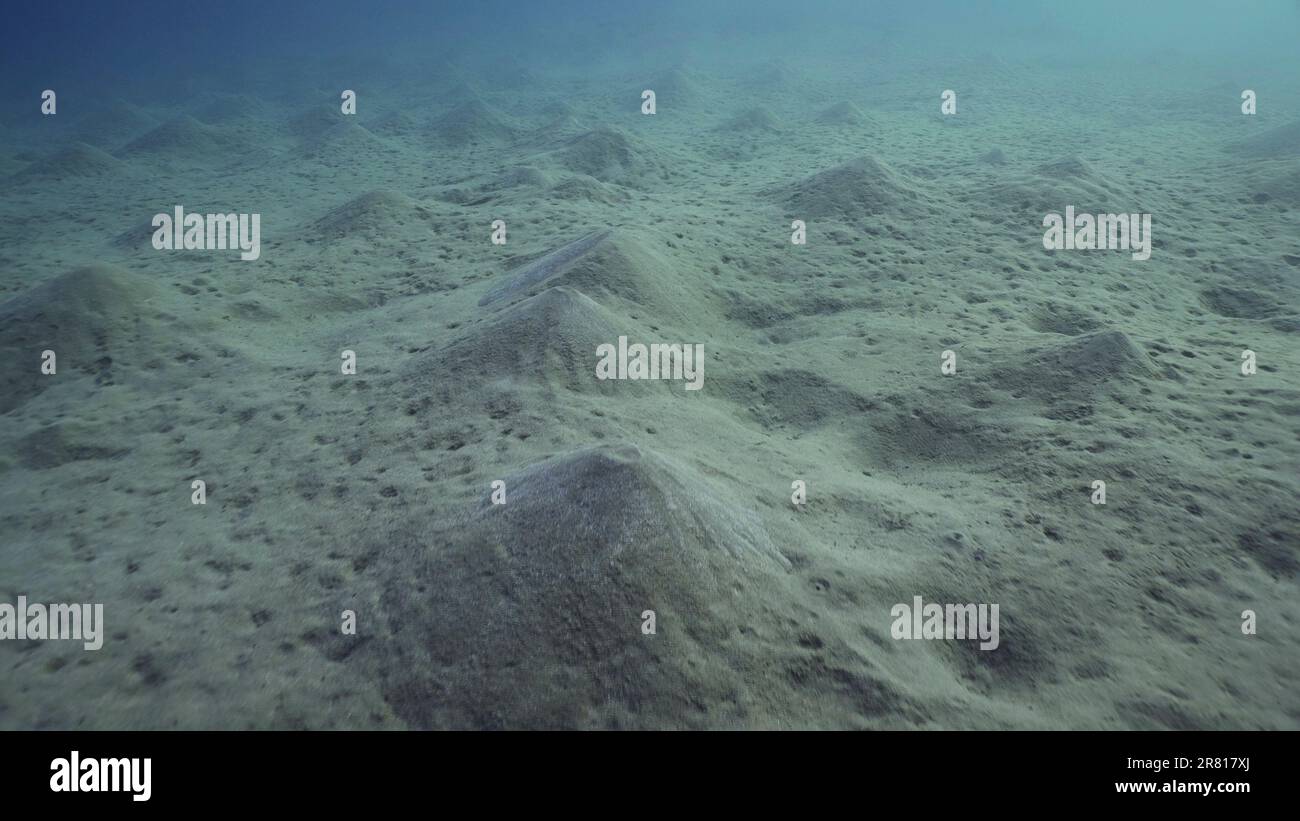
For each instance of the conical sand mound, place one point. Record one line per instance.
(752, 119)
(218, 108)
(610, 156)
(374, 213)
(460, 91)
(115, 125)
(1051, 187)
(76, 161)
(673, 87)
(533, 611)
(86, 316)
(138, 237)
(773, 74)
(512, 75)
(549, 339)
(60, 444)
(860, 187)
(930, 432)
(536, 273)
(558, 128)
(342, 139)
(1068, 168)
(581, 188)
(555, 108)
(315, 121)
(520, 176)
(396, 124)
(1075, 367)
(184, 138)
(471, 123)
(842, 113)
(603, 263)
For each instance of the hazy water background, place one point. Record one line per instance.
(166, 47)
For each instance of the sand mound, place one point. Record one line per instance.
(557, 107)
(396, 124)
(511, 75)
(343, 139)
(1239, 303)
(1053, 317)
(459, 92)
(218, 107)
(315, 121)
(113, 126)
(608, 155)
(558, 128)
(520, 175)
(533, 610)
(184, 138)
(756, 118)
(1075, 367)
(674, 87)
(534, 274)
(526, 177)
(604, 263)
(773, 74)
(138, 237)
(471, 123)
(86, 316)
(860, 187)
(794, 398)
(374, 213)
(1068, 168)
(76, 161)
(1050, 188)
(842, 113)
(581, 188)
(56, 445)
(930, 432)
(1279, 142)
(548, 339)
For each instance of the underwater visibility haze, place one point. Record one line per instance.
(650, 365)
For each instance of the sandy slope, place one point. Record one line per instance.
(476, 363)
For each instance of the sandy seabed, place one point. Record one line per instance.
(476, 362)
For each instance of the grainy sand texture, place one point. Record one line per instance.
(475, 529)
